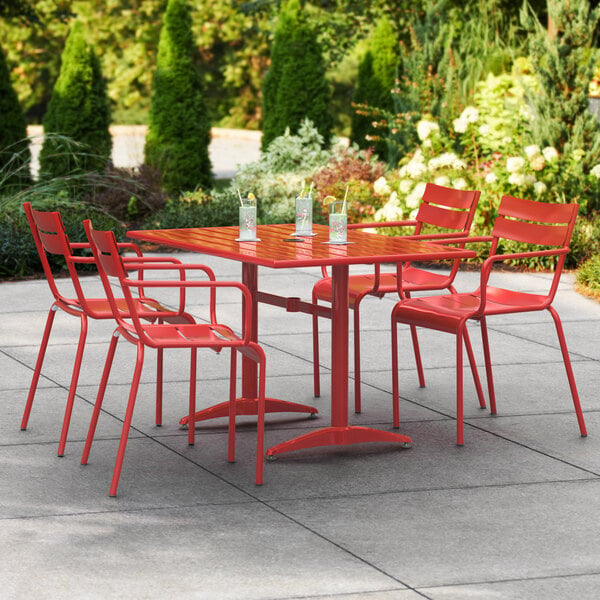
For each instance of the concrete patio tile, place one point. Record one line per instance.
(555, 435)
(15, 375)
(449, 537)
(26, 328)
(46, 418)
(377, 409)
(205, 552)
(374, 468)
(577, 334)
(582, 587)
(520, 388)
(153, 476)
(29, 295)
(176, 363)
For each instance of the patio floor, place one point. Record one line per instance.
(512, 514)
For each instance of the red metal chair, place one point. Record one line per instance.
(50, 238)
(213, 335)
(449, 213)
(547, 228)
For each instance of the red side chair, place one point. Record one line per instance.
(213, 335)
(50, 238)
(449, 213)
(538, 224)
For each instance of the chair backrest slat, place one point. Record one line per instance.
(531, 233)
(531, 222)
(540, 212)
(447, 208)
(442, 217)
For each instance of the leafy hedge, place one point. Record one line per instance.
(18, 254)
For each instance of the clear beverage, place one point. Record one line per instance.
(247, 222)
(338, 223)
(303, 216)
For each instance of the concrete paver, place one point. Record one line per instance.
(512, 514)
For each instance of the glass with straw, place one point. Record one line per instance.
(338, 220)
(247, 218)
(304, 212)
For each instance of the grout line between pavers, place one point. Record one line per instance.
(515, 580)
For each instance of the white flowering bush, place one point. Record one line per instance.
(486, 150)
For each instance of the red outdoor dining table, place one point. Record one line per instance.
(275, 252)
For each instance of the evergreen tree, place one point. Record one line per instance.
(376, 78)
(295, 87)
(79, 110)
(564, 61)
(15, 155)
(179, 127)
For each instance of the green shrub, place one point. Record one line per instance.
(179, 125)
(358, 170)
(15, 155)
(79, 110)
(282, 170)
(376, 79)
(588, 275)
(295, 87)
(195, 209)
(18, 254)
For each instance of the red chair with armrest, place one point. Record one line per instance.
(444, 213)
(547, 229)
(212, 335)
(50, 238)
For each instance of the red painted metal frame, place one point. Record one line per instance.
(212, 335)
(49, 236)
(537, 224)
(441, 207)
(273, 252)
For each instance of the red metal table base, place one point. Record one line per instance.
(249, 406)
(339, 436)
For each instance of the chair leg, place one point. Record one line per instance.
(569, 369)
(395, 391)
(459, 388)
(316, 368)
(474, 371)
(73, 386)
(99, 398)
(357, 396)
(192, 398)
(416, 351)
(38, 366)
(159, 386)
(127, 421)
(232, 408)
(488, 365)
(260, 425)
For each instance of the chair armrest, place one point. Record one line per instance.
(147, 264)
(376, 225)
(489, 262)
(213, 285)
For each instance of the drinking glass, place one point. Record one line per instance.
(304, 216)
(247, 219)
(338, 222)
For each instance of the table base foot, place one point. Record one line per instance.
(249, 406)
(339, 436)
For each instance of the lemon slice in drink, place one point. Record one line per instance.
(329, 199)
(251, 196)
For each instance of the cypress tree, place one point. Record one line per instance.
(376, 79)
(15, 155)
(79, 109)
(179, 127)
(564, 61)
(295, 87)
